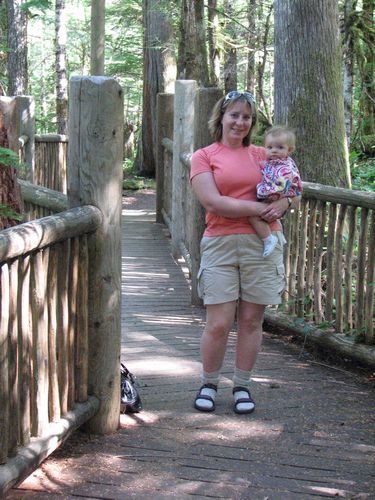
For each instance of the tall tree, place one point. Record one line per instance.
(252, 45)
(159, 73)
(97, 36)
(192, 54)
(230, 56)
(214, 54)
(3, 43)
(348, 44)
(201, 44)
(61, 79)
(266, 115)
(367, 101)
(308, 87)
(17, 46)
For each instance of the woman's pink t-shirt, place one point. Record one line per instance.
(236, 171)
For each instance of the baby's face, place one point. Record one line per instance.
(277, 147)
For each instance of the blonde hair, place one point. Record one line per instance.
(279, 130)
(214, 123)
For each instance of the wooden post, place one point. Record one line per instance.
(19, 120)
(205, 100)
(183, 128)
(164, 127)
(26, 119)
(95, 177)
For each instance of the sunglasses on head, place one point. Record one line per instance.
(233, 94)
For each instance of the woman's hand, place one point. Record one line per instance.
(274, 210)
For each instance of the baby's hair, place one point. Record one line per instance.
(278, 130)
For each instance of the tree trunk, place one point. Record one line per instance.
(97, 37)
(61, 80)
(214, 59)
(230, 58)
(308, 87)
(349, 7)
(17, 45)
(252, 46)
(192, 55)
(367, 101)
(159, 73)
(3, 42)
(201, 45)
(10, 192)
(262, 65)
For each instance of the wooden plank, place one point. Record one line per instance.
(82, 341)
(13, 359)
(25, 333)
(40, 417)
(4, 364)
(54, 397)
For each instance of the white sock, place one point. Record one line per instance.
(205, 403)
(243, 406)
(269, 245)
(208, 378)
(241, 378)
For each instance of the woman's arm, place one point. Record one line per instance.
(206, 190)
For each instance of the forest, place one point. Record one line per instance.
(309, 64)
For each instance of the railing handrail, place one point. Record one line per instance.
(34, 235)
(343, 196)
(43, 197)
(51, 138)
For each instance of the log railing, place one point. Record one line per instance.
(51, 161)
(329, 257)
(60, 277)
(43, 334)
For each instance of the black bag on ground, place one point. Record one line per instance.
(130, 399)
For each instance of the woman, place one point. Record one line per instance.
(234, 278)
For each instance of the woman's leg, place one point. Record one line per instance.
(219, 320)
(249, 340)
(249, 334)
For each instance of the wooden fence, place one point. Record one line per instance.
(329, 257)
(60, 294)
(51, 161)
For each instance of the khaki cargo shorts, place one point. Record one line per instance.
(233, 267)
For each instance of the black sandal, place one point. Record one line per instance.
(207, 398)
(248, 400)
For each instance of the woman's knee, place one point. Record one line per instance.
(251, 319)
(217, 329)
(220, 319)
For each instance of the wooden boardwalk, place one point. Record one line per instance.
(311, 436)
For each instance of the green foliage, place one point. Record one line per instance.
(124, 52)
(363, 172)
(34, 7)
(135, 183)
(8, 213)
(9, 158)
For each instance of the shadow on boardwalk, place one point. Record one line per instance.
(311, 436)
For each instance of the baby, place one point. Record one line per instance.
(280, 179)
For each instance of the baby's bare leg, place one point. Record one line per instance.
(264, 232)
(261, 227)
